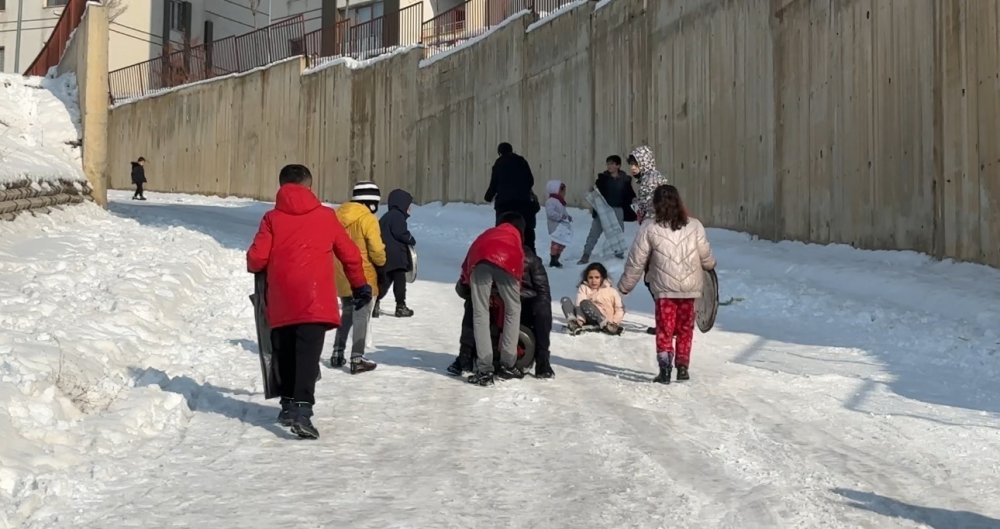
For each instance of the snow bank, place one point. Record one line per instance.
(354, 64)
(545, 18)
(40, 130)
(465, 44)
(91, 305)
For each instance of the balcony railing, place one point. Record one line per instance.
(226, 56)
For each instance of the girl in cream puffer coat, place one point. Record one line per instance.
(673, 252)
(597, 303)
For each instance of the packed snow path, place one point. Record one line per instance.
(843, 389)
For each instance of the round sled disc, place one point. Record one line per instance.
(707, 306)
(411, 275)
(525, 348)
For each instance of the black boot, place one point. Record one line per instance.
(665, 360)
(402, 311)
(507, 373)
(361, 365)
(543, 369)
(285, 416)
(338, 360)
(481, 379)
(682, 373)
(377, 309)
(554, 262)
(302, 426)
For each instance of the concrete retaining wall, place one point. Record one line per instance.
(866, 122)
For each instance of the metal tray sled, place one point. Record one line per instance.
(707, 306)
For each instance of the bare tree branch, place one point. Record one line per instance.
(115, 8)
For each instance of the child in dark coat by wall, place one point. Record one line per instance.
(397, 238)
(139, 178)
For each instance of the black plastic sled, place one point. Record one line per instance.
(268, 363)
(707, 306)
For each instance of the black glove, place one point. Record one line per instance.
(463, 291)
(362, 295)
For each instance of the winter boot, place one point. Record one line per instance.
(664, 359)
(682, 373)
(338, 360)
(402, 311)
(613, 329)
(543, 369)
(302, 426)
(455, 369)
(377, 310)
(619, 256)
(554, 261)
(507, 373)
(481, 379)
(285, 416)
(584, 260)
(361, 365)
(651, 330)
(573, 327)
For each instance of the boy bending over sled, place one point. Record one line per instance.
(536, 314)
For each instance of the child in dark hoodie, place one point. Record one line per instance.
(139, 178)
(397, 238)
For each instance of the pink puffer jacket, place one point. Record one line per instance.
(605, 298)
(673, 261)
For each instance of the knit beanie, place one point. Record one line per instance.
(367, 193)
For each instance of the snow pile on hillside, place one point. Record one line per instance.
(89, 303)
(40, 129)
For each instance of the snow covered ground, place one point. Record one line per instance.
(39, 129)
(843, 389)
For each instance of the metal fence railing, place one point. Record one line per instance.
(475, 17)
(52, 52)
(542, 7)
(337, 34)
(226, 56)
(287, 38)
(385, 33)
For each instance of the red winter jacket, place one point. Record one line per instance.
(501, 246)
(296, 244)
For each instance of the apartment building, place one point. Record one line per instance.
(138, 26)
(141, 28)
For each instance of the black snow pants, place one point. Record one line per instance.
(298, 349)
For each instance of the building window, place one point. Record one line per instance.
(3, 5)
(179, 15)
(360, 15)
(55, 3)
(2, 53)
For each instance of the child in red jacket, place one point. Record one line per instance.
(295, 246)
(496, 260)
